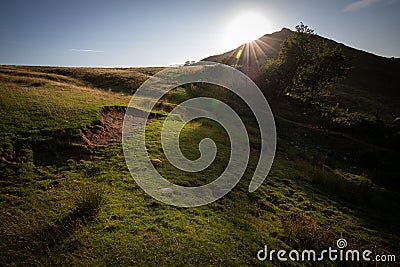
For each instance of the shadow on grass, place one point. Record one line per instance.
(27, 238)
(376, 206)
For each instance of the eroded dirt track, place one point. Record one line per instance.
(108, 130)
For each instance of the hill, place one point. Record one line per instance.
(372, 85)
(68, 198)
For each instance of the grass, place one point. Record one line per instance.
(32, 235)
(89, 211)
(108, 79)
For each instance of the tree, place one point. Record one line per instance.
(188, 63)
(306, 65)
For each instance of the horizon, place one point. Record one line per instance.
(126, 34)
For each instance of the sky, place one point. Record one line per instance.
(124, 33)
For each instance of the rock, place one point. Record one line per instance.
(156, 161)
(165, 190)
(150, 237)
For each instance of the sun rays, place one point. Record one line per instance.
(249, 57)
(246, 35)
(244, 28)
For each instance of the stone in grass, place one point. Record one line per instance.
(165, 190)
(149, 236)
(156, 162)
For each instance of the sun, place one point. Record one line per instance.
(244, 28)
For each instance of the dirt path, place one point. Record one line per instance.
(109, 129)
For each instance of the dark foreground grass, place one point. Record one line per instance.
(31, 236)
(89, 211)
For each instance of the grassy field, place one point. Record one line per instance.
(66, 202)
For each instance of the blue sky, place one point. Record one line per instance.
(159, 33)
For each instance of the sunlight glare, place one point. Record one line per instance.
(243, 29)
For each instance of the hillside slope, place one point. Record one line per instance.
(68, 204)
(372, 85)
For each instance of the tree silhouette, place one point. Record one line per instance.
(306, 65)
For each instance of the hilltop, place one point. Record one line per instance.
(372, 85)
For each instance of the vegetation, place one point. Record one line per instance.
(306, 65)
(370, 88)
(311, 69)
(66, 202)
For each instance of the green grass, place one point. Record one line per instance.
(89, 211)
(108, 79)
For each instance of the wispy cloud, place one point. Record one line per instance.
(85, 50)
(360, 4)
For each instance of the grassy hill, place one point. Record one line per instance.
(372, 85)
(67, 197)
